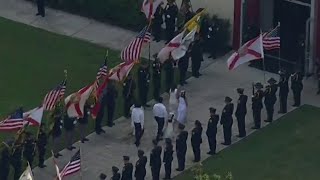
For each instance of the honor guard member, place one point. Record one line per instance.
(160, 115)
(170, 15)
(100, 115)
(183, 65)
(112, 95)
(211, 40)
(156, 77)
(283, 91)
(29, 147)
(137, 121)
(155, 160)
(212, 130)
(168, 158)
(169, 70)
(157, 22)
(69, 124)
(140, 172)
(257, 105)
(102, 176)
(56, 131)
(16, 160)
(318, 76)
(128, 93)
(83, 123)
(127, 169)
(115, 173)
(196, 57)
(41, 10)
(270, 98)
(227, 121)
(4, 161)
(241, 112)
(181, 147)
(296, 86)
(196, 140)
(42, 143)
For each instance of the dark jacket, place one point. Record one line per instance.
(158, 15)
(128, 88)
(242, 105)
(196, 137)
(270, 96)
(68, 123)
(170, 14)
(181, 142)
(226, 116)
(197, 52)
(296, 82)
(257, 100)
(127, 172)
(168, 154)
(155, 156)
(56, 130)
(143, 77)
(42, 140)
(141, 166)
(116, 176)
(212, 126)
(111, 95)
(283, 85)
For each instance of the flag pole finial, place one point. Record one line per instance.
(65, 73)
(107, 53)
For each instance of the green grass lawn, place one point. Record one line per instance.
(32, 63)
(286, 150)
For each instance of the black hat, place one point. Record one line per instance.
(272, 81)
(126, 158)
(227, 99)
(140, 152)
(240, 90)
(102, 176)
(115, 169)
(212, 110)
(258, 85)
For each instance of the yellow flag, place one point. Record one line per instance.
(194, 22)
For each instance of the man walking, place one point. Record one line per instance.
(137, 118)
(183, 65)
(160, 114)
(227, 121)
(155, 160)
(212, 131)
(241, 112)
(100, 115)
(157, 21)
(56, 132)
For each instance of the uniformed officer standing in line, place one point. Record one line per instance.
(83, 123)
(196, 57)
(112, 95)
(170, 14)
(297, 86)
(196, 140)
(212, 131)
(156, 77)
(183, 65)
(115, 173)
(241, 112)
(16, 160)
(181, 147)
(29, 147)
(69, 124)
(168, 67)
(143, 83)
(155, 160)
(41, 10)
(257, 105)
(227, 121)
(270, 98)
(42, 143)
(100, 115)
(4, 162)
(56, 132)
(168, 158)
(127, 169)
(128, 93)
(283, 91)
(211, 38)
(157, 21)
(140, 172)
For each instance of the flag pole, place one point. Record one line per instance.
(263, 64)
(279, 54)
(80, 163)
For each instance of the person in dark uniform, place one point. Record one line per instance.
(56, 132)
(241, 112)
(128, 93)
(83, 123)
(16, 160)
(112, 95)
(188, 14)
(318, 75)
(196, 140)
(257, 105)
(42, 143)
(270, 98)
(102, 176)
(168, 67)
(69, 124)
(183, 65)
(181, 147)
(157, 21)
(227, 121)
(297, 87)
(155, 160)
(212, 130)
(5, 161)
(196, 57)
(115, 173)
(283, 91)
(156, 77)
(140, 172)
(100, 115)
(168, 158)
(127, 169)
(170, 14)
(41, 10)
(29, 147)
(211, 39)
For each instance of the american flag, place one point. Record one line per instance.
(13, 122)
(271, 40)
(73, 166)
(133, 50)
(102, 72)
(52, 97)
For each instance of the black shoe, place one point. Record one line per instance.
(42, 15)
(196, 76)
(109, 125)
(85, 139)
(137, 144)
(185, 82)
(294, 105)
(199, 74)
(226, 144)
(211, 153)
(38, 14)
(195, 161)
(42, 166)
(281, 112)
(179, 169)
(255, 127)
(241, 136)
(147, 105)
(102, 131)
(56, 156)
(318, 92)
(268, 121)
(98, 132)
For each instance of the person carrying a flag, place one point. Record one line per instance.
(56, 131)
(83, 123)
(129, 87)
(270, 98)
(42, 143)
(69, 124)
(257, 105)
(29, 146)
(112, 95)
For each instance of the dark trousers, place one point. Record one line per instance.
(69, 138)
(169, 79)
(242, 125)
(297, 98)
(227, 131)
(283, 103)
(183, 73)
(257, 117)
(138, 133)
(212, 143)
(143, 94)
(128, 102)
(111, 108)
(156, 30)
(170, 28)
(196, 67)
(41, 153)
(155, 170)
(17, 169)
(270, 111)
(181, 156)
(196, 151)
(99, 119)
(167, 169)
(156, 88)
(160, 122)
(4, 173)
(140, 177)
(40, 5)
(29, 157)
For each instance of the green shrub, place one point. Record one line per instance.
(199, 174)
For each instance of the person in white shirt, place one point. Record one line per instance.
(160, 115)
(137, 121)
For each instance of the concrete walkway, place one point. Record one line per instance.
(102, 152)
